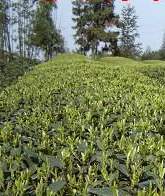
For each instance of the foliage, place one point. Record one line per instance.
(4, 25)
(92, 19)
(162, 49)
(73, 126)
(44, 34)
(153, 54)
(79, 19)
(2, 18)
(10, 72)
(129, 46)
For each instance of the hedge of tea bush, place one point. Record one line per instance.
(75, 126)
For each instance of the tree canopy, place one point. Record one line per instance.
(92, 18)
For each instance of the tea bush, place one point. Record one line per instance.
(74, 126)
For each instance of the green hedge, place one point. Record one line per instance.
(73, 126)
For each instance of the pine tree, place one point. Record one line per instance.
(92, 19)
(45, 35)
(129, 45)
(79, 19)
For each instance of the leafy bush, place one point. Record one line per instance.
(10, 72)
(73, 126)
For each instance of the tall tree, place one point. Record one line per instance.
(129, 33)
(92, 18)
(2, 24)
(45, 35)
(5, 42)
(22, 23)
(79, 9)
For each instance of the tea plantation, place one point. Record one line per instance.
(75, 126)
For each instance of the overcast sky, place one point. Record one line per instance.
(151, 21)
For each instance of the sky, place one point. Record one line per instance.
(151, 21)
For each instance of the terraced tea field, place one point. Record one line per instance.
(74, 126)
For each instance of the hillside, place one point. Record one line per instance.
(74, 126)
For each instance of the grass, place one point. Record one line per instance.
(74, 126)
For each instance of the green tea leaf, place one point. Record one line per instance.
(54, 162)
(105, 191)
(123, 169)
(57, 186)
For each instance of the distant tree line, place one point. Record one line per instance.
(155, 54)
(97, 24)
